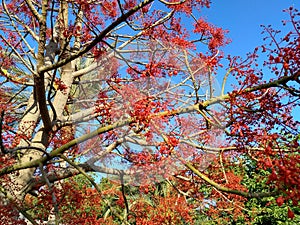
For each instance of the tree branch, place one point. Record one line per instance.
(36, 182)
(33, 10)
(225, 189)
(39, 80)
(98, 38)
(100, 130)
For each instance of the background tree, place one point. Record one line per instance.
(116, 87)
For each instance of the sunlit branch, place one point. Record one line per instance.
(177, 189)
(225, 189)
(34, 11)
(27, 28)
(196, 88)
(230, 148)
(276, 83)
(77, 117)
(172, 3)
(222, 166)
(107, 150)
(211, 90)
(225, 80)
(61, 174)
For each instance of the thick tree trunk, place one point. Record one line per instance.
(36, 144)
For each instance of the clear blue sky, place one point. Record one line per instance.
(243, 19)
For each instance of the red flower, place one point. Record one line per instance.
(280, 201)
(291, 214)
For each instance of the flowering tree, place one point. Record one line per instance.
(123, 88)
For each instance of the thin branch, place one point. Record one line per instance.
(18, 30)
(60, 174)
(54, 200)
(225, 80)
(35, 37)
(18, 54)
(126, 212)
(172, 3)
(33, 10)
(225, 189)
(3, 150)
(222, 166)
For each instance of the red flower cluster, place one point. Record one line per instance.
(214, 34)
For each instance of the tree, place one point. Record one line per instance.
(124, 88)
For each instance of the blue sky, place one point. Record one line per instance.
(243, 19)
